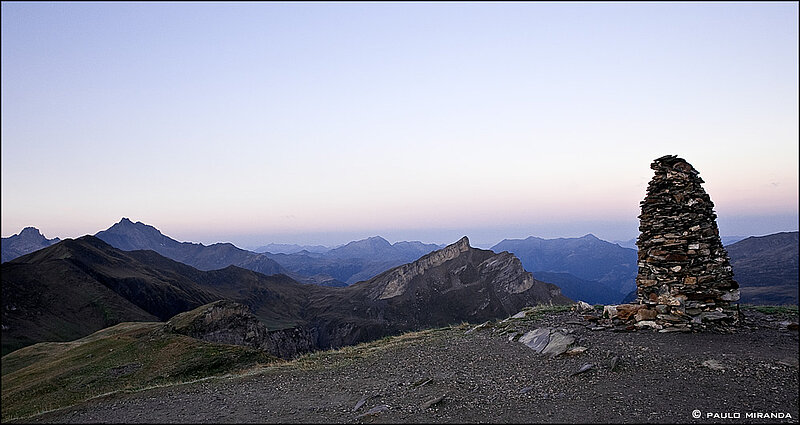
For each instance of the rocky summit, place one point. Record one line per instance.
(27, 241)
(685, 278)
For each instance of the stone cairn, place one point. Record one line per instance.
(685, 280)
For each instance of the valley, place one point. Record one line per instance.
(105, 286)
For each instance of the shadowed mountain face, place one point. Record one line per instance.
(129, 236)
(590, 291)
(79, 286)
(766, 268)
(27, 241)
(601, 265)
(355, 261)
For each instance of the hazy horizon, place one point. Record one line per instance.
(321, 123)
(481, 238)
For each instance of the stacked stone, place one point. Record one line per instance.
(685, 277)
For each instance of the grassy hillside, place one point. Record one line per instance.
(126, 357)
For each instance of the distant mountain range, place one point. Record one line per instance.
(355, 261)
(590, 291)
(286, 248)
(766, 268)
(129, 236)
(76, 287)
(726, 240)
(586, 268)
(601, 272)
(28, 240)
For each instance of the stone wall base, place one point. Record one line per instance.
(666, 318)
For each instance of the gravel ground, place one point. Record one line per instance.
(481, 376)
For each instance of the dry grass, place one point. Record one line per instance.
(125, 357)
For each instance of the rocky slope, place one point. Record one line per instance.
(454, 284)
(27, 241)
(228, 322)
(466, 375)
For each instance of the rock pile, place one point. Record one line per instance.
(229, 322)
(685, 278)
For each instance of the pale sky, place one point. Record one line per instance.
(326, 122)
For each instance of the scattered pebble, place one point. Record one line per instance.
(584, 368)
(374, 411)
(432, 402)
(713, 364)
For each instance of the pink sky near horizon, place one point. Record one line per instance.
(328, 122)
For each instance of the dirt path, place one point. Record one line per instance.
(482, 377)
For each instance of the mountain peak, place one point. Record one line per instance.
(397, 280)
(129, 236)
(128, 224)
(30, 231)
(364, 248)
(28, 240)
(31, 234)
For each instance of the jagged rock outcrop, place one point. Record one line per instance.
(454, 284)
(396, 281)
(27, 241)
(685, 277)
(228, 322)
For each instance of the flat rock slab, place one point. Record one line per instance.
(558, 344)
(545, 341)
(537, 339)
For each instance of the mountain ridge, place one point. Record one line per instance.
(355, 261)
(766, 268)
(129, 236)
(457, 283)
(586, 259)
(26, 241)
